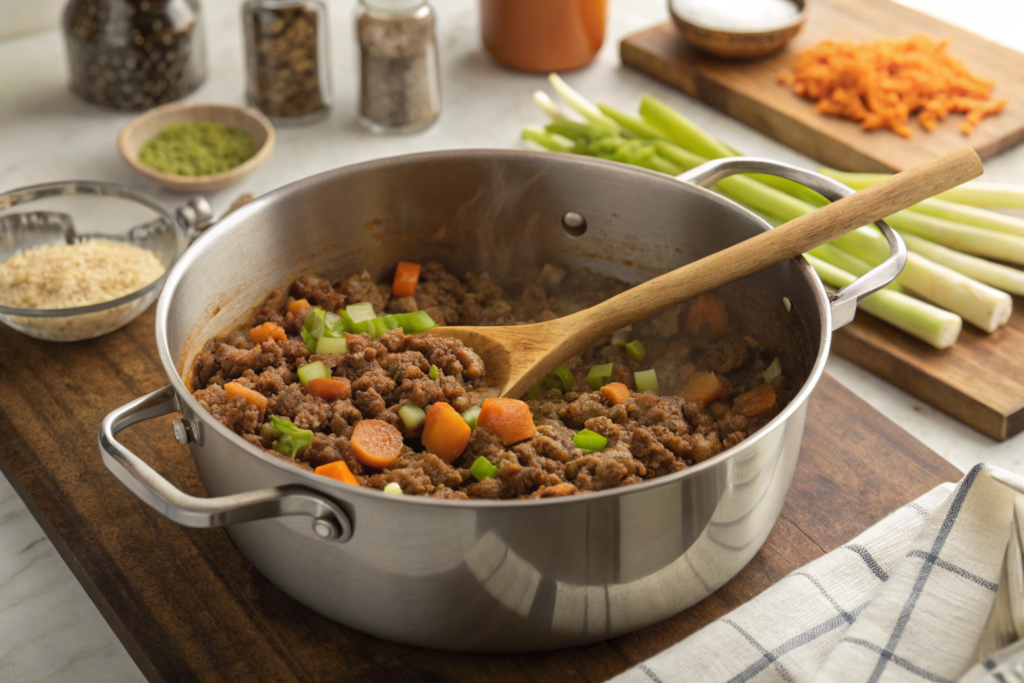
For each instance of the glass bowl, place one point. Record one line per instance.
(73, 211)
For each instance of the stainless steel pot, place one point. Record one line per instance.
(486, 575)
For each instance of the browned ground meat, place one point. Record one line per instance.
(648, 435)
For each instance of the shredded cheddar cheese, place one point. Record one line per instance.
(881, 84)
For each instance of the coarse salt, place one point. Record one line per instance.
(737, 15)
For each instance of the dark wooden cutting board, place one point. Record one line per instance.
(980, 381)
(188, 606)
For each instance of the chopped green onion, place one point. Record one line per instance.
(636, 350)
(330, 345)
(599, 375)
(393, 488)
(412, 416)
(398, 376)
(471, 415)
(315, 370)
(620, 337)
(482, 469)
(292, 440)
(772, 371)
(718, 410)
(646, 380)
(564, 375)
(589, 441)
(433, 372)
(535, 389)
(309, 341)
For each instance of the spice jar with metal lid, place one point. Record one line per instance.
(400, 89)
(134, 54)
(287, 59)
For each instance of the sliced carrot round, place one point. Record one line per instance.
(329, 388)
(266, 332)
(376, 444)
(445, 433)
(509, 419)
(338, 470)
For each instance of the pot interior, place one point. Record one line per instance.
(506, 213)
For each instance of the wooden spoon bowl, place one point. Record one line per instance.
(518, 356)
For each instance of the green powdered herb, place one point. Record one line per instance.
(194, 149)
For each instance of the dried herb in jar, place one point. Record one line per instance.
(134, 54)
(399, 81)
(286, 53)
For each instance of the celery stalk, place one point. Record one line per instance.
(928, 323)
(971, 215)
(547, 105)
(582, 104)
(996, 274)
(974, 193)
(979, 304)
(633, 124)
(681, 130)
(555, 143)
(966, 238)
(840, 258)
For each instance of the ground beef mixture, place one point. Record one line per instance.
(648, 435)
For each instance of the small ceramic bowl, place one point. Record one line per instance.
(143, 128)
(737, 44)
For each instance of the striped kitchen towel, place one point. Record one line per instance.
(923, 595)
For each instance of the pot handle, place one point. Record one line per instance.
(844, 301)
(329, 521)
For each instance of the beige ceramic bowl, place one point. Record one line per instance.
(141, 129)
(738, 44)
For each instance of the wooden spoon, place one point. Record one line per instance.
(518, 356)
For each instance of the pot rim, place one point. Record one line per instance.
(350, 494)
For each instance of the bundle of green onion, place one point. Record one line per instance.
(948, 277)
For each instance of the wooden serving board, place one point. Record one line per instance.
(188, 606)
(980, 381)
(749, 90)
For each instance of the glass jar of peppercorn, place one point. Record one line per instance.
(134, 54)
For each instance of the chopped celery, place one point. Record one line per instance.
(417, 321)
(636, 350)
(309, 341)
(360, 312)
(398, 376)
(589, 441)
(314, 370)
(599, 375)
(393, 488)
(331, 345)
(646, 380)
(563, 376)
(391, 322)
(772, 371)
(433, 374)
(482, 469)
(314, 322)
(471, 415)
(292, 440)
(412, 416)
(621, 337)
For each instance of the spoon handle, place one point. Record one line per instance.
(784, 242)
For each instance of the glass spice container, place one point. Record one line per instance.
(400, 89)
(134, 54)
(287, 59)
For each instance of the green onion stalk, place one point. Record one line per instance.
(973, 193)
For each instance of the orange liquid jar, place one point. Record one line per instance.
(543, 35)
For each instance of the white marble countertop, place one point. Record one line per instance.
(49, 629)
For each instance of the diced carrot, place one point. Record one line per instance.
(406, 276)
(330, 388)
(507, 418)
(248, 395)
(756, 401)
(298, 306)
(703, 388)
(445, 433)
(376, 443)
(751, 341)
(266, 332)
(616, 392)
(707, 317)
(338, 470)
